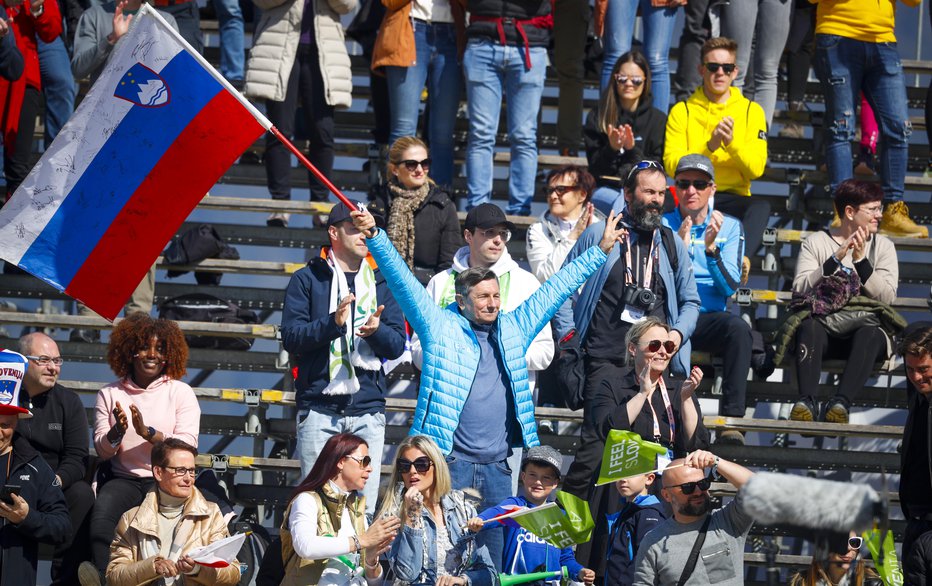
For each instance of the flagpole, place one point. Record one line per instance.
(657, 471)
(520, 513)
(260, 118)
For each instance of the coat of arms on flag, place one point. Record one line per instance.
(143, 87)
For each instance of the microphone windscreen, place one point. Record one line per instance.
(772, 498)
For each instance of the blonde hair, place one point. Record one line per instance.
(637, 330)
(442, 482)
(398, 148)
(817, 575)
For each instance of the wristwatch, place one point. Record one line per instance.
(715, 253)
(150, 433)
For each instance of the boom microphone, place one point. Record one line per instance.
(771, 498)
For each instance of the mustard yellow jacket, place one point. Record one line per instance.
(689, 128)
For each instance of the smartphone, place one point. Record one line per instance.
(6, 495)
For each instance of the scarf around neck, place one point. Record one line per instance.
(401, 217)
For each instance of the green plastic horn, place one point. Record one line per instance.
(509, 580)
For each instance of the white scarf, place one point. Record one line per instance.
(349, 351)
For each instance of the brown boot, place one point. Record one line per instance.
(897, 223)
(745, 270)
(794, 127)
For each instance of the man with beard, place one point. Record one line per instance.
(664, 553)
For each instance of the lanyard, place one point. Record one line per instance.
(648, 268)
(669, 408)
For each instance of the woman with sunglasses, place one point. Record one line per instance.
(148, 404)
(422, 220)
(569, 212)
(624, 129)
(435, 545)
(836, 569)
(325, 536)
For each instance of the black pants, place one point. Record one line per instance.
(696, 31)
(569, 51)
(799, 48)
(307, 86)
(116, 497)
(860, 351)
(16, 160)
(754, 214)
(69, 555)
(730, 336)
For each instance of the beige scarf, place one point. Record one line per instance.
(401, 217)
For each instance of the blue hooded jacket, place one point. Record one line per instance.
(626, 530)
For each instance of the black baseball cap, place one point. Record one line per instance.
(341, 213)
(486, 215)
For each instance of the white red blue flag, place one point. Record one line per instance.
(155, 132)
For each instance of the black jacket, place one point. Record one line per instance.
(649, 125)
(509, 11)
(437, 231)
(626, 533)
(915, 460)
(307, 329)
(47, 520)
(58, 430)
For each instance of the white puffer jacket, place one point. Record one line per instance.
(275, 45)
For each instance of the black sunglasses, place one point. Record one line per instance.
(635, 81)
(654, 345)
(421, 464)
(562, 189)
(411, 165)
(690, 487)
(728, 68)
(364, 461)
(699, 184)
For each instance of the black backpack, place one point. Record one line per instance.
(207, 308)
(195, 245)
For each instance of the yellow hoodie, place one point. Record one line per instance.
(689, 128)
(871, 21)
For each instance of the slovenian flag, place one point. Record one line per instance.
(155, 132)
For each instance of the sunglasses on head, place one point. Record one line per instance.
(562, 189)
(728, 68)
(364, 461)
(411, 165)
(623, 79)
(654, 345)
(699, 184)
(422, 465)
(690, 487)
(643, 165)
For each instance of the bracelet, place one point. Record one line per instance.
(373, 566)
(356, 542)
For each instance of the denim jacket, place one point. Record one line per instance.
(412, 565)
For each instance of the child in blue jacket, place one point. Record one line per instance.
(641, 512)
(524, 552)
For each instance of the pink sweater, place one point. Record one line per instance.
(169, 406)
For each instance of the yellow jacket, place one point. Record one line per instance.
(871, 21)
(689, 128)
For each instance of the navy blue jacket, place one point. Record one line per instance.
(627, 529)
(47, 520)
(307, 329)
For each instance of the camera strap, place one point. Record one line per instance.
(669, 408)
(645, 276)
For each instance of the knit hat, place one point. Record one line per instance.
(543, 455)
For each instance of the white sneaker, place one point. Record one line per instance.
(279, 219)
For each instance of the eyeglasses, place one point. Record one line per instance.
(492, 233)
(690, 487)
(623, 79)
(654, 345)
(699, 184)
(854, 543)
(180, 470)
(364, 461)
(728, 68)
(643, 165)
(422, 465)
(411, 164)
(44, 360)
(561, 189)
(872, 211)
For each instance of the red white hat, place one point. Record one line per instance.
(12, 370)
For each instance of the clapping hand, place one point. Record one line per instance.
(691, 384)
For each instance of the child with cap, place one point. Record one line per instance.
(640, 513)
(524, 552)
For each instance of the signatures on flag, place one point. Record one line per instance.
(67, 166)
(142, 50)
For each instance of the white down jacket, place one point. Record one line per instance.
(275, 44)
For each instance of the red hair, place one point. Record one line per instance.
(325, 468)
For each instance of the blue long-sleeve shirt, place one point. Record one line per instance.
(524, 552)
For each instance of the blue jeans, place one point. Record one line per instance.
(773, 27)
(232, 57)
(493, 482)
(436, 66)
(58, 86)
(845, 67)
(314, 429)
(493, 70)
(658, 34)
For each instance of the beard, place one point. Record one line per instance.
(697, 509)
(646, 216)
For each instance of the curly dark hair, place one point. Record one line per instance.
(134, 333)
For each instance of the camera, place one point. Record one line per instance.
(640, 297)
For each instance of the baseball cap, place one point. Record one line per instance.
(696, 163)
(486, 215)
(543, 455)
(12, 370)
(341, 213)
